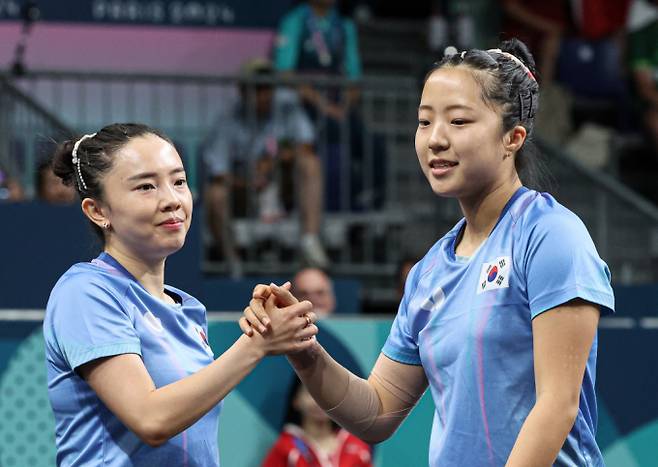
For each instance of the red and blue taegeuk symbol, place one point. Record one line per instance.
(492, 274)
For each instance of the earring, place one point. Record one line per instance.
(106, 225)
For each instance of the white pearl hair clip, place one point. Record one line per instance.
(76, 159)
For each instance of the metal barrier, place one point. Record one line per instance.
(28, 133)
(366, 235)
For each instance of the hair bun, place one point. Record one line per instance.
(62, 162)
(517, 48)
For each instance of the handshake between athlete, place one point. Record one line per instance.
(270, 304)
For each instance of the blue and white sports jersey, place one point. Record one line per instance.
(467, 321)
(99, 309)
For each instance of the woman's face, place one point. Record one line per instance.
(147, 201)
(459, 140)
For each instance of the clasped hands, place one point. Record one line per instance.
(277, 321)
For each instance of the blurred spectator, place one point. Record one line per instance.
(264, 134)
(10, 189)
(50, 187)
(599, 19)
(591, 59)
(541, 25)
(314, 39)
(314, 285)
(578, 46)
(451, 23)
(311, 439)
(643, 55)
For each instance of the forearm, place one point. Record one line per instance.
(543, 434)
(325, 379)
(371, 409)
(171, 409)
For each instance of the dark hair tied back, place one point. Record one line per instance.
(96, 157)
(510, 84)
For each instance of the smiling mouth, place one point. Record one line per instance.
(171, 222)
(442, 164)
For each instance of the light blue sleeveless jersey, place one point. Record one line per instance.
(97, 310)
(467, 321)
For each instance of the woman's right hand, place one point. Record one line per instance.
(290, 328)
(255, 317)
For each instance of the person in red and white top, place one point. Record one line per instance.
(312, 439)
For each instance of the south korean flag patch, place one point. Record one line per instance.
(495, 275)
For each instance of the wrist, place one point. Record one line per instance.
(251, 347)
(305, 359)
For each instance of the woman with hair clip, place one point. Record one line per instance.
(132, 379)
(499, 318)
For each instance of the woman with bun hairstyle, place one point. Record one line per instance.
(132, 379)
(499, 318)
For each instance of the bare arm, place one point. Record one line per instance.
(562, 339)
(371, 409)
(155, 414)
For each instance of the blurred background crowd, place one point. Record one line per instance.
(296, 118)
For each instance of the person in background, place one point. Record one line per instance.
(541, 25)
(314, 38)
(314, 285)
(265, 133)
(451, 23)
(50, 187)
(311, 439)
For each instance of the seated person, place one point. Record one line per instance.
(267, 129)
(315, 39)
(311, 439)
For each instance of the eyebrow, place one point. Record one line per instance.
(145, 175)
(450, 107)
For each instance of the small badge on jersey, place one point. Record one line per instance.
(204, 341)
(495, 275)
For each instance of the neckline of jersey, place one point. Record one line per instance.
(112, 262)
(462, 223)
